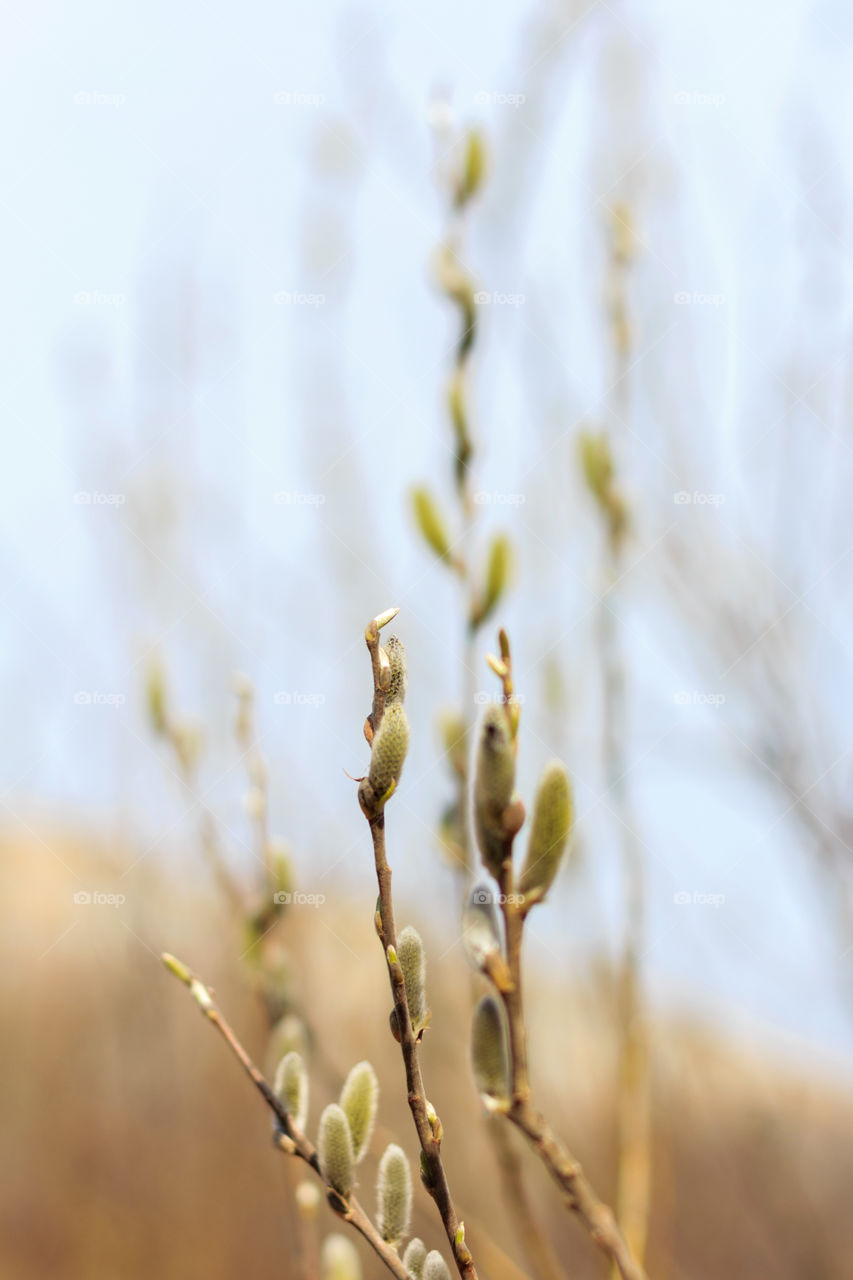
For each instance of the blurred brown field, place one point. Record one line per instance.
(134, 1147)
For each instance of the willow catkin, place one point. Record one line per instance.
(412, 959)
(414, 1258)
(552, 821)
(388, 752)
(291, 1086)
(339, 1259)
(489, 1054)
(493, 786)
(358, 1100)
(431, 524)
(435, 1268)
(396, 691)
(334, 1144)
(481, 927)
(393, 1195)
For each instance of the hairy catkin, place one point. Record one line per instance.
(435, 1268)
(394, 1195)
(388, 752)
(291, 1086)
(489, 1056)
(358, 1100)
(493, 787)
(396, 691)
(339, 1259)
(412, 958)
(414, 1258)
(552, 821)
(334, 1143)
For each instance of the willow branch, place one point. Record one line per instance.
(288, 1138)
(427, 1124)
(566, 1171)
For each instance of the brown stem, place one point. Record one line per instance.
(433, 1173)
(565, 1170)
(291, 1139)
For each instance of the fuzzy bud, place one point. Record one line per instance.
(435, 1268)
(412, 959)
(339, 1259)
(308, 1198)
(157, 699)
(291, 1086)
(493, 786)
(388, 752)
(396, 691)
(414, 1258)
(552, 821)
(334, 1143)
(394, 1195)
(489, 1057)
(473, 168)
(359, 1099)
(431, 524)
(498, 572)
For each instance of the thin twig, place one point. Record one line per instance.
(566, 1171)
(433, 1173)
(290, 1139)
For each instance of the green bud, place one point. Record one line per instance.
(489, 1056)
(291, 1086)
(412, 958)
(597, 464)
(431, 524)
(396, 691)
(334, 1143)
(157, 698)
(454, 734)
(339, 1259)
(394, 1195)
(473, 169)
(359, 1099)
(435, 1268)
(388, 751)
(552, 821)
(481, 929)
(414, 1258)
(493, 786)
(498, 571)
